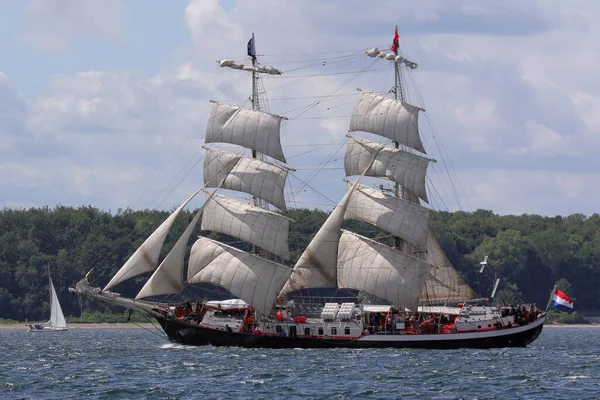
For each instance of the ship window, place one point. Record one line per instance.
(278, 328)
(307, 331)
(334, 331)
(347, 330)
(321, 331)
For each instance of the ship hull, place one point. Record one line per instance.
(189, 334)
(46, 330)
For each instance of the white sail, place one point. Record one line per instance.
(253, 279)
(168, 277)
(396, 216)
(367, 265)
(260, 179)
(204, 251)
(146, 256)
(444, 283)
(262, 228)
(402, 167)
(57, 318)
(387, 117)
(252, 129)
(317, 266)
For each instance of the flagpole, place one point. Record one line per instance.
(550, 299)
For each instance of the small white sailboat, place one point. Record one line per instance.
(57, 320)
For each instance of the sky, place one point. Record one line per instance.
(104, 102)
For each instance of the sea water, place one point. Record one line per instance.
(142, 364)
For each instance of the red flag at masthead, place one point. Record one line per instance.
(396, 42)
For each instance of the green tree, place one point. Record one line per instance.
(508, 295)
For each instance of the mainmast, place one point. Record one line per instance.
(397, 88)
(398, 95)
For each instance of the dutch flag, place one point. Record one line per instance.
(561, 300)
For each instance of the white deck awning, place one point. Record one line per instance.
(439, 310)
(231, 304)
(368, 308)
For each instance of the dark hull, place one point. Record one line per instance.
(189, 334)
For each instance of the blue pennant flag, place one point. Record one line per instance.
(251, 49)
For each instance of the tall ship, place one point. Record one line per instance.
(408, 295)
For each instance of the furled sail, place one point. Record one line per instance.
(443, 282)
(388, 118)
(367, 265)
(168, 277)
(253, 279)
(399, 217)
(375, 52)
(262, 228)
(264, 69)
(146, 256)
(252, 129)
(260, 179)
(402, 167)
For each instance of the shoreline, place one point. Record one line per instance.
(75, 326)
(556, 325)
(147, 325)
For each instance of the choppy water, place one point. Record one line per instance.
(137, 364)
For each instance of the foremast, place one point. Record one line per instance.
(247, 276)
(255, 101)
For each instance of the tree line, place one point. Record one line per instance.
(528, 253)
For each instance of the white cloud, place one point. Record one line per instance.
(544, 141)
(101, 136)
(12, 114)
(510, 88)
(208, 21)
(53, 23)
(587, 108)
(518, 191)
(116, 102)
